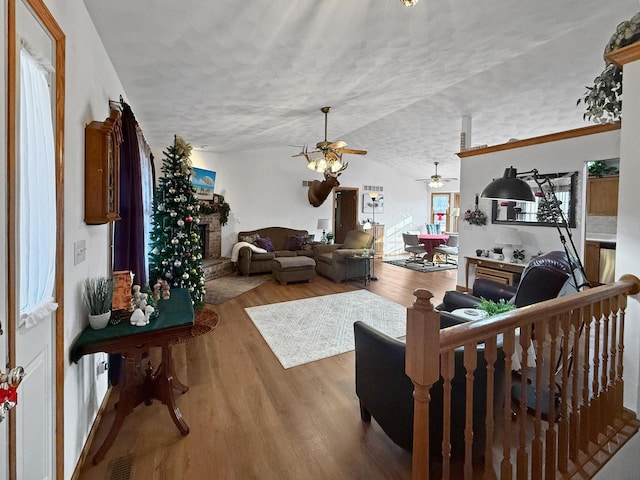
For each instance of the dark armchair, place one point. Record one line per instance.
(386, 393)
(544, 278)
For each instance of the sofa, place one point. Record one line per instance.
(545, 277)
(285, 242)
(330, 259)
(385, 392)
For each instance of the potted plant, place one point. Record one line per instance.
(97, 296)
(493, 308)
(329, 238)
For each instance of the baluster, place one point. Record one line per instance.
(577, 321)
(551, 433)
(605, 407)
(470, 365)
(566, 360)
(541, 329)
(595, 385)
(621, 315)
(613, 356)
(585, 408)
(490, 355)
(508, 346)
(448, 371)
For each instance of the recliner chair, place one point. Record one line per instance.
(386, 393)
(542, 279)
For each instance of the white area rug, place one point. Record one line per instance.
(303, 331)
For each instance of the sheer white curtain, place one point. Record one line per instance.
(147, 192)
(37, 187)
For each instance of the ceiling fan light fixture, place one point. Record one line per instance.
(435, 182)
(409, 3)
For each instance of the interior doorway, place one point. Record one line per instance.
(345, 212)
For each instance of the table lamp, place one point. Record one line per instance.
(323, 224)
(508, 237)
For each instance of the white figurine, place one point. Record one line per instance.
(147, 312)
(137, 318)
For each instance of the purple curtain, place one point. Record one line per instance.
(129, 251)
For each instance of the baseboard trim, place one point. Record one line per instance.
(94, 428)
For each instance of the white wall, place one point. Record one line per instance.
(477, 171)
(264, 188)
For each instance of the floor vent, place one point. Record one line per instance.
(121, 468)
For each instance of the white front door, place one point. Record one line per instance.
(33, 340)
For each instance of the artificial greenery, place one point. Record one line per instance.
(493, 308)
(176, 254)
(98, 294)
(222, 208)
(603, 101)
(600, 169)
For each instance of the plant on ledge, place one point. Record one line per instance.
(603, 101)
(222, 208)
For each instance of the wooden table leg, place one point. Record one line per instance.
(164, 392)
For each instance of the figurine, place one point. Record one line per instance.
(138, 318)
(148, 311)
(165, 290)
(156, 290)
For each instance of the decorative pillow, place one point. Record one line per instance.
(295, 242)
(264, 242)
(250, 238)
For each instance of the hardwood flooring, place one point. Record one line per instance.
(249, 418)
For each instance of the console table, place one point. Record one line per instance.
(176, 323)
(497, 270)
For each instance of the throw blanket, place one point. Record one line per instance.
(239, 245)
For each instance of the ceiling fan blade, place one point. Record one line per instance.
(338, 144)
(352, 151)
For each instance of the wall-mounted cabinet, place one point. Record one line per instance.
(602, 196)
(102, 170)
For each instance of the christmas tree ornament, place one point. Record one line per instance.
(196, 220)
(185, 276)
(189, 207)
(188, 219)
(180, 223)
(172, 190)
(177, 263)
(168, 275)
(173, 214)
(165, 262)
(174, 241)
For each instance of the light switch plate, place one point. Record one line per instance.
(79, 252)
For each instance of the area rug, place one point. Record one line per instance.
(419, 267)
(219, 290)
(303, 331)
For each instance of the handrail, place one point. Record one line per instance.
(583, 413)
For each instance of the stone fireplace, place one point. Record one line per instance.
(213, 264)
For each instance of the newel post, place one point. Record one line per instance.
(423, 367)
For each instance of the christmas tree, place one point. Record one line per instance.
(176, 251)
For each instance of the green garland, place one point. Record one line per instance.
(222, 208)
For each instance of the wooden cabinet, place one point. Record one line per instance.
(377, 231)
(497, 270)
(592, 261)
(602, 196)
(102, 170)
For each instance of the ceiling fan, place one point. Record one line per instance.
(331, 159)
(436, 181)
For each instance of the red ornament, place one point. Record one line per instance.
(188, 219)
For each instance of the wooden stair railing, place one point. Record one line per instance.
(568, 409)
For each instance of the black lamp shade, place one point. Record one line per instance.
(509, 187)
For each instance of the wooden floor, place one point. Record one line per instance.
(250, 418)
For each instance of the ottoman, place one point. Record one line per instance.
(293, 269)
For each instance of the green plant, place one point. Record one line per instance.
(222, 208)
(600, 169)
(493, 308)
(98, 294)
(603, 101)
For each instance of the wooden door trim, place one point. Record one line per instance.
(43, 14)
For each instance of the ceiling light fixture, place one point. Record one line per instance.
(409, 3)
(436, 180)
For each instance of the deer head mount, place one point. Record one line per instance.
(320, 190)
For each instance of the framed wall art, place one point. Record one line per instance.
(204, 181)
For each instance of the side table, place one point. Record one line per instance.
(358, 267)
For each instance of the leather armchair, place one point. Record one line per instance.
(386, 393)
(330, 259)
(542, 279)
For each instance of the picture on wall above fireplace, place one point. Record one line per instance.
(204, 181)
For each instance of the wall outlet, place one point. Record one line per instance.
(79, 252)
(103, 367)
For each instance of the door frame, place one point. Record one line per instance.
(48, 22)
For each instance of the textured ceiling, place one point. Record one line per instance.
(253, 75)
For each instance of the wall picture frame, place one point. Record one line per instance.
(368, 203)
(204, 181)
